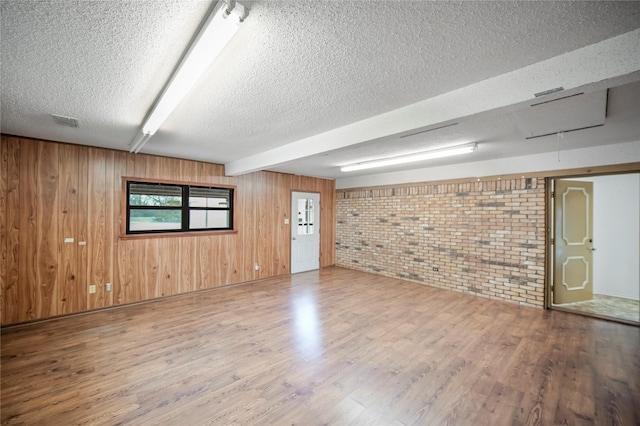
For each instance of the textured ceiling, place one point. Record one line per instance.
(296, 70)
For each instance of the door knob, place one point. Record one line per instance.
(591, 249)
(294, 238)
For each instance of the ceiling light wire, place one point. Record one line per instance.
(559, 136)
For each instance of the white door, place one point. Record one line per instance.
(305, 231)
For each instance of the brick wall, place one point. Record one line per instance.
(484, 238)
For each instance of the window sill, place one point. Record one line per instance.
(176, 235)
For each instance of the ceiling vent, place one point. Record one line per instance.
(65, 121)
(549, 92)
(566, 114)
(429, 130)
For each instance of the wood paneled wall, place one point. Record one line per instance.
(52, 191)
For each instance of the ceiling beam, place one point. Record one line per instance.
(609, 59)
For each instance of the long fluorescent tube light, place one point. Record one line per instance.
(420, 156)
(218, 29)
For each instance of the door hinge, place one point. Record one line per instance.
(553, 241)
(553, 194)
(552, 287)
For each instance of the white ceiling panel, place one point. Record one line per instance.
(566, 114)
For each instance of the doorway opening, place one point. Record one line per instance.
(595, 246)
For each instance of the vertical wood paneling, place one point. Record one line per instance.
(82, 289)
(152, 167)
(123, 282)
(118, 275)
(186, 273)
(187, 171)
(169, 256)
(151, 275)
(283, 230)
(27, 216)
(247, 188)
(4, 153)
(126, 248)
(328, 237)
(280, 249)
(97, 227)
(137, 289)
(168, 167)
(265, 254)
(68, 209)
(203, 262)
(234, 273)
(42, 276)
(277, 222)
(240, 223)
(138, 166)
(218, 262)
(11, 148)
(47, 229)
(110, 200)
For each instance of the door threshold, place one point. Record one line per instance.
(593, 315)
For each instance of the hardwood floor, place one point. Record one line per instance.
(326, 347)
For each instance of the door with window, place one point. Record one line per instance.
(305, 231)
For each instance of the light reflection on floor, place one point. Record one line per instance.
(308, 326)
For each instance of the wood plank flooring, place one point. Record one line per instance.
(326, 347)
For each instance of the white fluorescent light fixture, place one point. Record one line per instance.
(420, 156)
(218, 29)
(139, 141)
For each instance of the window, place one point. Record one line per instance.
(163, 207)
(306, 216)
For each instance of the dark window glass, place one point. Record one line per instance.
(160, 207)
(142, 194)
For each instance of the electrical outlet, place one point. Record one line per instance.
(92, 289)
(256, 267)
(286, 221)
(107, 287)
(436, 269)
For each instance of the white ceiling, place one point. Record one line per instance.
(305, 87)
